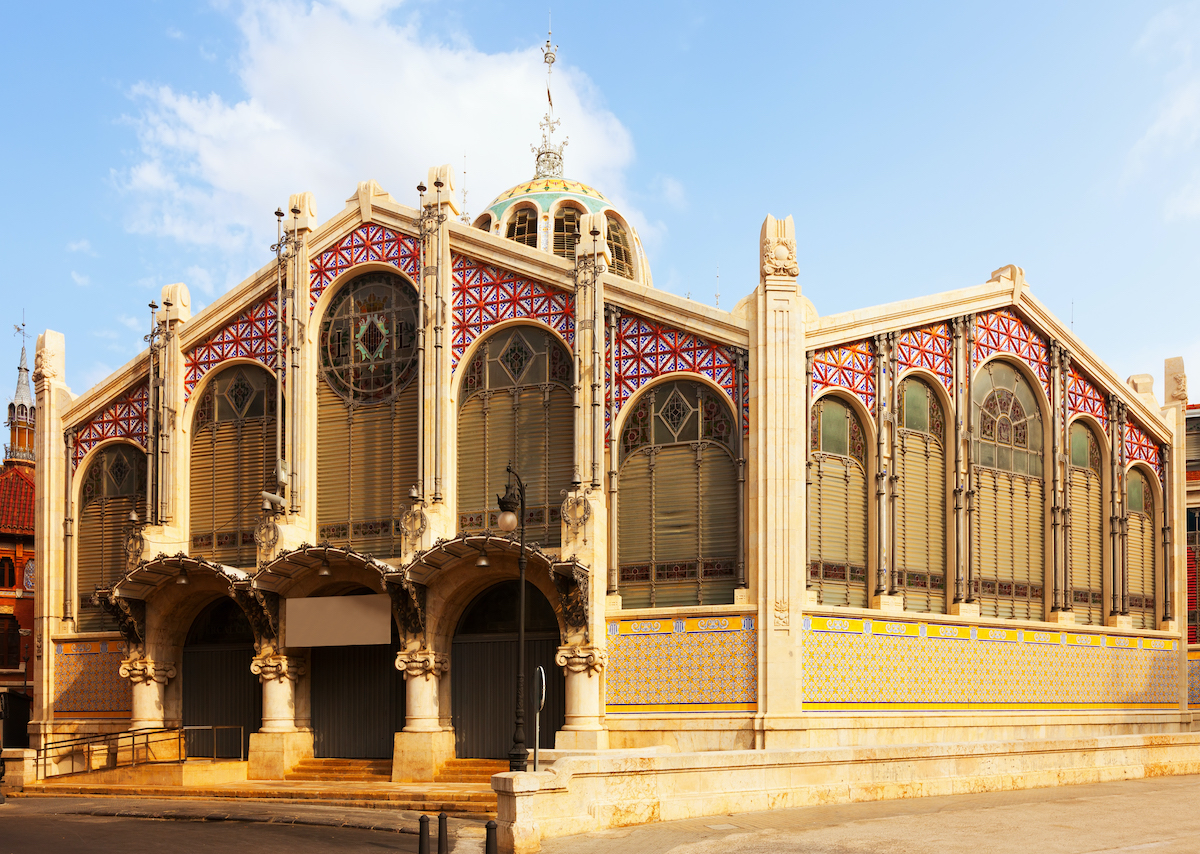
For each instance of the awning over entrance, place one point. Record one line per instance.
(141, 581)
(275, 575)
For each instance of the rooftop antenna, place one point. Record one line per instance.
(466, 217)
(549, 162)
(1072, 315)
(718, 286)
(19, 329)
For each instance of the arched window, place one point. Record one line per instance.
(10, 643)
(233, 462)
(8, 572)
(921, 514)
(484, 223)
(367, 399)
(523, 227)
(1086, 542)
(1140, 551)
(566, 230)
(1009, 537)
(515, 406)
(113, 486)
(619, 248)
(837, 505)
(677, 526)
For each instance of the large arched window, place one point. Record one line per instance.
(1009, 537)
(113, 487)
(566, 230)
(837, 505)
(1086, 543)
(620, 248)
(921, 514)
(515, 406)
(233, 462)
(677, 526)
(1141, 551)
(523, 227)
(367, 399)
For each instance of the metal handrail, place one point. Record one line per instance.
(121, 749)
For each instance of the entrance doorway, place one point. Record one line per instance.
(483, 672)
(218, 687)
(357, 698)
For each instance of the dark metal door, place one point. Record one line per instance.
(220, 690)
(357, 701)
(483, 685)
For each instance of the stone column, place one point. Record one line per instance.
(777, 460)
(279, 745)
(583, 666)
(149, 686)
(423, 745)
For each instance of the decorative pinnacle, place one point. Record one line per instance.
(549, 160)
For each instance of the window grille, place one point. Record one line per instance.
(523, 227)
(1193, 569)
(921, 511)
(1009, 544)
(367, 401)
(516, 406)
(114, 485)
(837, 505)
(566, 231)
(1141, 551)
(10, 643)
(619, 248)
(1084, 482)
(233, 462)
(677, 500)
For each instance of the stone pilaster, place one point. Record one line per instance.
(777, 457)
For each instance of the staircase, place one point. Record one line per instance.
(470, 771)
(342, 770)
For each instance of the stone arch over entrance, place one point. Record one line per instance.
(218, 688)
(483, 672)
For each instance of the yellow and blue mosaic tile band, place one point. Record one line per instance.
(88, 683)
(867, 664)
(702, 664)
(1194, 678)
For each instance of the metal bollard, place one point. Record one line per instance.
(443, 840)
(423, 836)
(489, 844)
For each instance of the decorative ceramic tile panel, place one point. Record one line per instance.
(87, 681)
(250, 335)
(929, 347)
(124, 418)
(647, 349)
(1139, 446)
(1084, 397)
(706, 664)
(1194, 680)
(1001, 331)
(368, 242)
(848, 366)
(899, 664)
(485, 295)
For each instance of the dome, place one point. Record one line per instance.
(544, 192)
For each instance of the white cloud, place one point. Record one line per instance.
(80, 279)
(84, 245)
(340, 93)
(95, 372)
(174, 33)
(130, 322)
(671, 191)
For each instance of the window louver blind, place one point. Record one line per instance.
(1141, 553)
(837, 509)
(921, 519)
(1087, 547)
(1009, 545)
(113, 486)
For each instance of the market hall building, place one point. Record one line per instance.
(943, 520)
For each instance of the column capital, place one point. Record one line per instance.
(277, 667)
(580, 659)
(139, 670)
(422, 664)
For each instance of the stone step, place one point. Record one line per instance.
(334, 776)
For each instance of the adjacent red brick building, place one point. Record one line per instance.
(16, 540)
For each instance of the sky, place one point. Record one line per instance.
(919, 146)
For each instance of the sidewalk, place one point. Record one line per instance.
(1157, 815)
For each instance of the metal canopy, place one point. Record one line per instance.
(446, 552)
(141, 581)
(275, 575)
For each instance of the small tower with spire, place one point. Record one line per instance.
(21, 415)
(549, 155)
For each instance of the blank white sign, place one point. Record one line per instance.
(337, 621)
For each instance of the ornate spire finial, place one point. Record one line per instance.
(549, 161)
(22, 396)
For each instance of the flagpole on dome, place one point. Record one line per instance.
(549, 161)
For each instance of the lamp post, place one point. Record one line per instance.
(512, 502)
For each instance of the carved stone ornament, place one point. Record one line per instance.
(421, 664)
(266, 534)
(43, 366)
(130, 615)
(576, 510)
(261, 608)
(573, 598)
(1176, 379)
(782, 618)
(140, 670)
(277, 667)
(134, 544)
(779, 257)
(580, 659)
(408, 601)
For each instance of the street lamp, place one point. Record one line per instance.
(512, 502)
